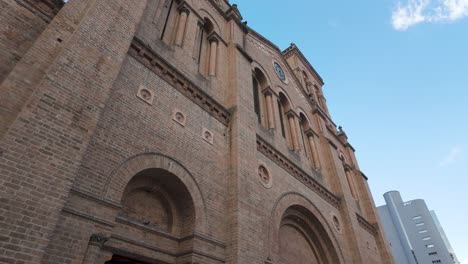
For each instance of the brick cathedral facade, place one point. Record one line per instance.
(168, 131)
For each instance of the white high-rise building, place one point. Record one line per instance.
(414, 233)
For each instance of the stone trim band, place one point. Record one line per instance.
(143, 54)
(45, 9)
(276, 156)
(366, 225)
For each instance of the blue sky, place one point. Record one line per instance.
(396, 79)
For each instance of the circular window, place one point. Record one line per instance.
(336, 223)
(280, 72)
(264, 177)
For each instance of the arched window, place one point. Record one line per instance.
(288, 122)
(308, 141)
(351, 183)
(263, 99)
(207, 48)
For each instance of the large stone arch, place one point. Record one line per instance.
(315, 226)
(120, 177)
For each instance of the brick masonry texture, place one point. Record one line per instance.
(131, 132)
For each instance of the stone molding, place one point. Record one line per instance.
(157, 249)
(366, 225)
(146, 56)
(195, 235)
(295, 171)
(88, 217)
(45, 9)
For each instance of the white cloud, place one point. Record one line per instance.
(456, 154)
(412, 12)
(465, 261)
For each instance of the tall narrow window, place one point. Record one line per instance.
(308, 140)
(351, 184)
(304, 126)
(288, 122)
(167, 11)
(207, 49)
(256, 99)
(280, 110)
(263, 99)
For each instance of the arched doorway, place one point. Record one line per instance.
(160, 214)
(302, 239)
(157, 199)
(299, 233)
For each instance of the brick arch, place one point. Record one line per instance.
(291, 200)
(280, 91)
(121, 176)
(255, 65)
(205, 14)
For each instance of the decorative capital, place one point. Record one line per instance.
(184, 9)
(348, 167)
(98, 239)
(291, 114)
(268, 92)
(310, 133)
(213, 39)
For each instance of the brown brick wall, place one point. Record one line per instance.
(96, 110)
(43, 146)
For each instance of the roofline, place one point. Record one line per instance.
(293, 48)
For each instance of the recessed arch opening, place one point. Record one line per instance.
(303, 239)
(157, 199)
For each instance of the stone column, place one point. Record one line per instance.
(96, 241)
(184, 12)
(293, 130)
(269, 108)
(213, 56)
(313, 150)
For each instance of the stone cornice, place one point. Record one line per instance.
(88, 217)
(146, 56)
(94, 198)
(366, 225)
(143, 244)
(295, 171)
(45, 9)
(363, 175)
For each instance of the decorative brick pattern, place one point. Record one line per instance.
(296, 172)
(162, 68)
(45, 9)
(366, 225)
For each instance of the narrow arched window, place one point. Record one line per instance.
(263, 99)
(208, 49)
(352, 185)
(288, 122)
(281, 117)
(304, 126)
(256, 99)
(309, 141)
